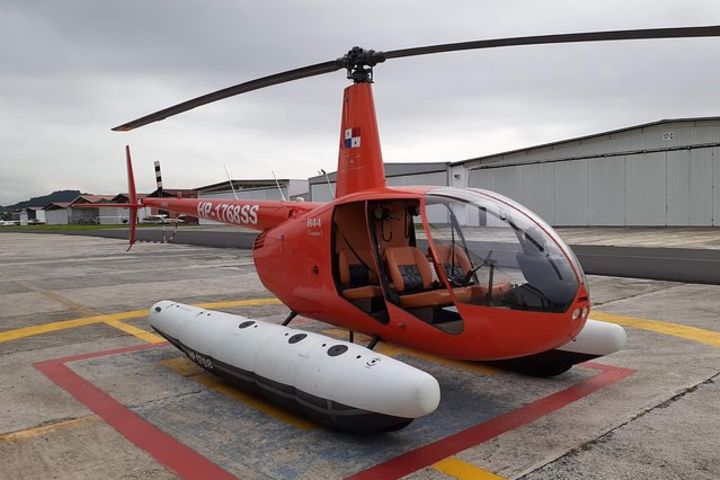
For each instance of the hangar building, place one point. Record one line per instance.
(664, 173)
(397, 174)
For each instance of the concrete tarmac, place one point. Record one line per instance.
(675, 254)
(649, 411)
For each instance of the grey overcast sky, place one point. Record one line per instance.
(72, 69)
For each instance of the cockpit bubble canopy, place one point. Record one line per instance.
(495, 252)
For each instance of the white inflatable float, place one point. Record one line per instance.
(340, 384)
(596, 339)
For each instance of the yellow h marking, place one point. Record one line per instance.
(700, 335)
(115, 320)
(455, 468)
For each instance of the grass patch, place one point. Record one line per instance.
(64, 228)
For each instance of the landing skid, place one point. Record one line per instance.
(596, 339)
(545, 364)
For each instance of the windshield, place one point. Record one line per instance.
(495, 252)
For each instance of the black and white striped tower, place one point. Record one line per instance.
(158, 176)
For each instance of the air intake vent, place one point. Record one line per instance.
(259, 240)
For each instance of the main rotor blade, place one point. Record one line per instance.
(288, 76)
(363, 58)
(681, 32)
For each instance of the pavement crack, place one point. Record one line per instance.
(605, 437)
(158, 401)
(56, 297)
(636, 295)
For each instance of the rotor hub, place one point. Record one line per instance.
(359, 64)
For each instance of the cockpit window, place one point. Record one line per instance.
(492, 253)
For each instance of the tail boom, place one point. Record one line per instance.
(253, 214)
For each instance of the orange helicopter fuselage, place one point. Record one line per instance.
(296, 255)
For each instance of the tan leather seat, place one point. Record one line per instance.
(481, 291)
(362, 293)
(456, 257)
(361, 282)
(410, 272)
(473, 293)
(457, 266)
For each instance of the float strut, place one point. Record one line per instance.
(373, 342)
(289, 318)
(351, 336)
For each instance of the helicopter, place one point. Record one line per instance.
(462, 273)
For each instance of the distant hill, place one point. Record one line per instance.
(59, 196)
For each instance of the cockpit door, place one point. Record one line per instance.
(357, 274)
(409, 276)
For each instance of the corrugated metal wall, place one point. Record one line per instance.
(675, 187)
(319, 192)
(57, 217)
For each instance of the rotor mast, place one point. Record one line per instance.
(359, 64)
(360, 162)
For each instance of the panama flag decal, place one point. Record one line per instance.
(352, 137)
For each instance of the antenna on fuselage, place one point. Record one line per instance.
(327, 179)
(231, 184)
(282, 195)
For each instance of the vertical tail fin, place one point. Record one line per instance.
(360, 163)
(132, 193)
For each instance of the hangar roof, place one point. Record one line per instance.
(394, 170)
(88, 198)
(500, 158)
(244, 184)
(57, 205)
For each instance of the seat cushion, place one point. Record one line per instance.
(362, 293)
(432, 298)
(408, 268)
(353, 272)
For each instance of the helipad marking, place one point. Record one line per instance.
(183, 460)
(24, 332)
(65, 324)
(455, 468)
(701, 335)
(434, 452)
(189, 464)
(45, 429)
(188, 369)
(241, 303)
(138, 332)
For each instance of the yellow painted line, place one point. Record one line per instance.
(452, 467)
(188, 369)
(65, 324)
(392, 350)
(241, 303)
(700, 335)
(45, 429)
(136, 331)
(465, 365)
(24, 332)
